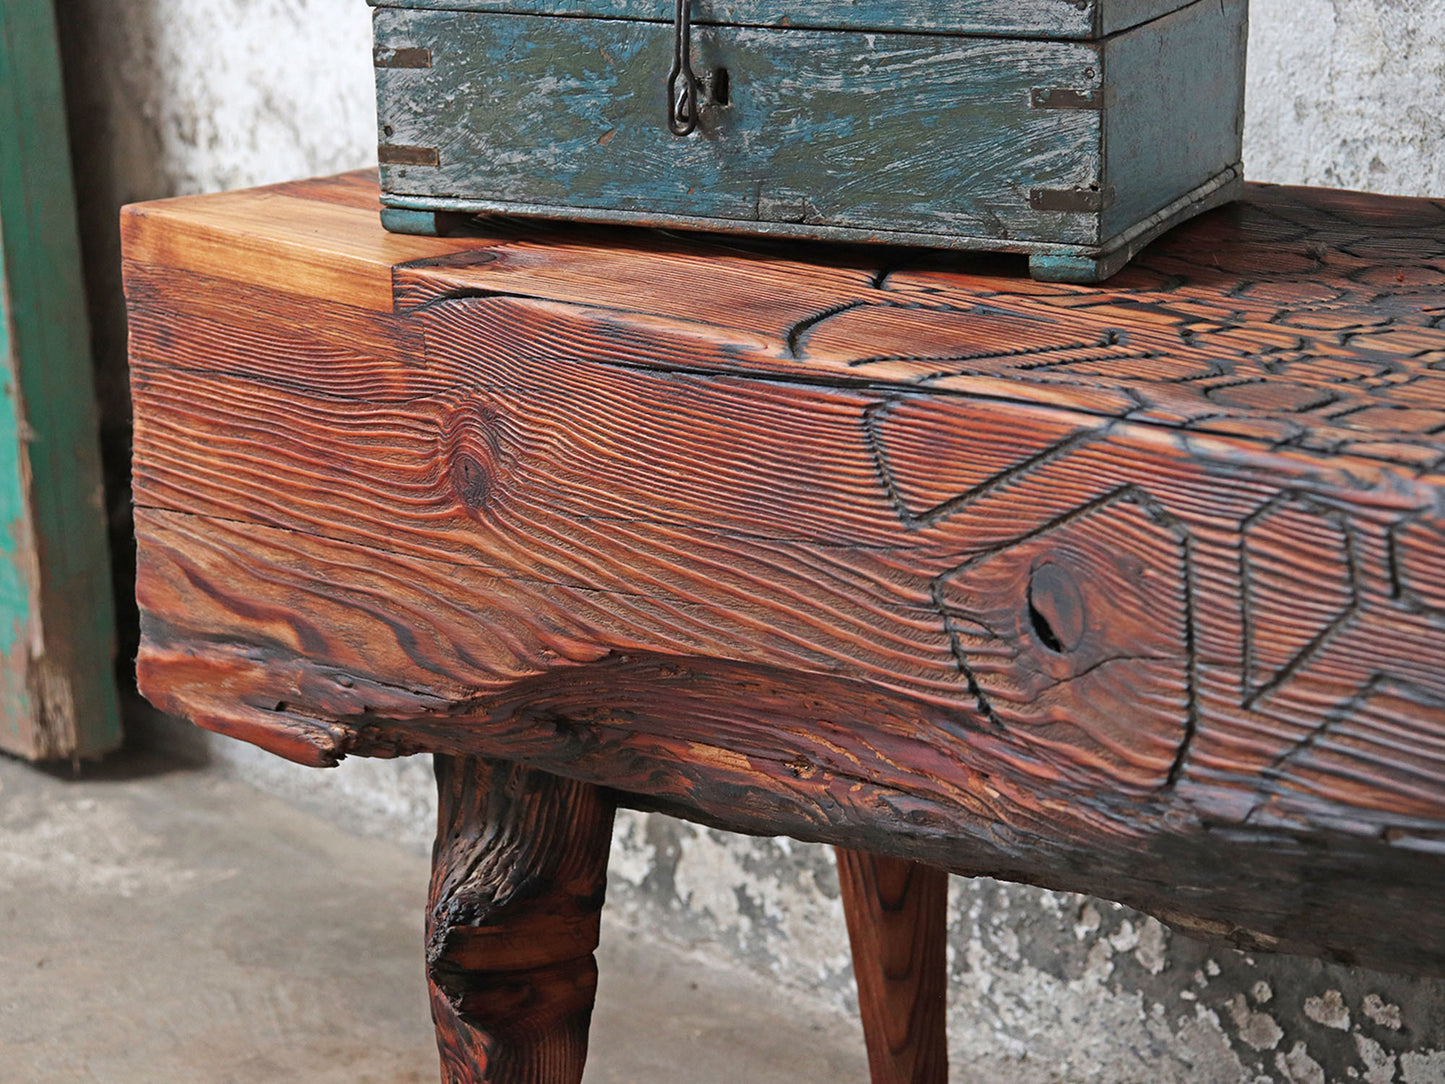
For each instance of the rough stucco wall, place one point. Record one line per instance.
(1045, 987)
(1345, 93)
(175, 96)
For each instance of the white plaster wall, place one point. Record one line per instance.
(180, 96)
(207, 95)
(228, 93)
(1346, 93)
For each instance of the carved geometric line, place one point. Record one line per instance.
(1253, 595)
(1167, 519)
(1116, 303)
(1130, 494)
(1214, 372)
(1389, 418)
(1191, 718)
(880, 461)
(1417, 574)
(961, 657)
(794, 338)
(1336, 716)
(929, 516)
(1128, 354)
(1398, 591)
(958, 360)
(442, 296)
(1275, 396)
(1388, 740)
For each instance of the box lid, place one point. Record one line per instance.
(1063, 19)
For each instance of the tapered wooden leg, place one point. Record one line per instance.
(518, 876)
(897, 915)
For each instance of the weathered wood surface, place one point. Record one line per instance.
(1137, 591)
(1173, 116)
(920, 132)
(519, 871)
(897, 913)
(992, 143)
(1007, 18)
(57, 622)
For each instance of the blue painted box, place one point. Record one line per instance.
(1071, 130)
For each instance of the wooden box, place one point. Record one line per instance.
(1071, 130)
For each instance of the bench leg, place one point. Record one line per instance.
(897, 915)
(518, 875)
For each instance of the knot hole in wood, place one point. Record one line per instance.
(1056, 608)
(1059, 631)
(474, 454)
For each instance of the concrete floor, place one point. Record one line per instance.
(162, 923)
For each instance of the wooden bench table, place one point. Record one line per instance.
(1136, 591)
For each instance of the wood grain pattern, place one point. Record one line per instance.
(1010, 18)
(519, 871)
(570, 112)
(897, 914)
(1177, 111)
(1133, 591)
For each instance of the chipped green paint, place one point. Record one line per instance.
(16, 581)
(1074, 19)
(521, 108)
(57, 625)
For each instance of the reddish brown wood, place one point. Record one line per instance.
(519, 871)
(897, 915)
(1134, 591)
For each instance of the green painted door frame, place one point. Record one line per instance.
(57, 624)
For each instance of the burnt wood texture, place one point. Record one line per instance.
(519, 871)
(1138, 591)
(897, 914)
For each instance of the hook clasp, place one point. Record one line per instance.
(682, 85)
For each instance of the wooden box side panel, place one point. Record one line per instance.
(894, 132)
(1176, 115)
(1115, 16)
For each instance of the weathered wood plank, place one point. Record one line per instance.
(1131, 591)
(1177, 114)
(57, 624)
(1007, 18)
(916, 133)
(1075, 151)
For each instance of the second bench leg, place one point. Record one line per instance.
(897, 915)
(518, 875)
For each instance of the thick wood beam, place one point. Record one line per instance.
(1137, 591)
